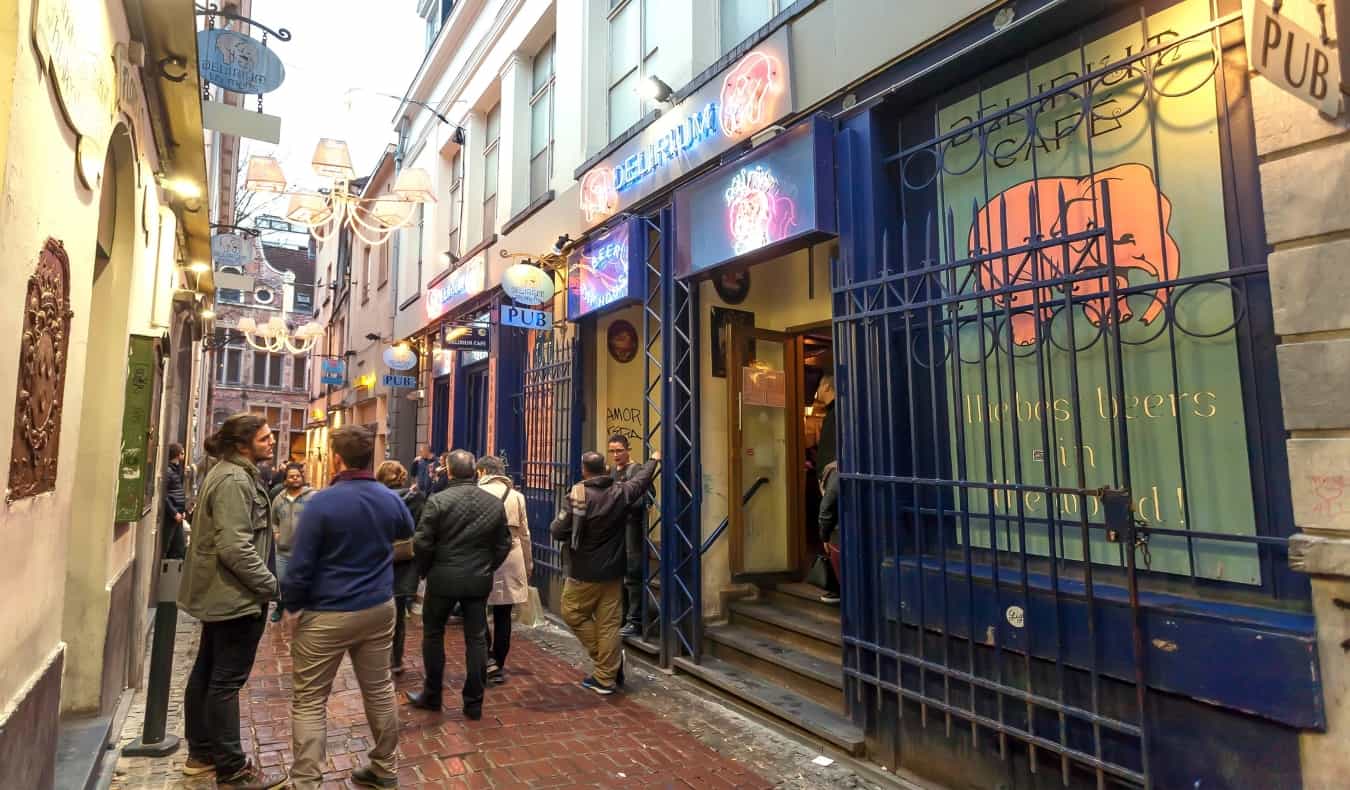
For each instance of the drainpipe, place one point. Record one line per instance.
(1343, 47)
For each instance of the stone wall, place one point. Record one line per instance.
(1305, 183)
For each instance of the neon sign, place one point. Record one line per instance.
(463, 283)
(749, 95)
(757, 215)
(607, 271)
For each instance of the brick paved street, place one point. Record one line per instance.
(539, 730)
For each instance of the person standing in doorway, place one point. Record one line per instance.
(511, 582)
(339, 599)
(173, 539)
(287, 507)
(227, 584)
(461, 540)
(635, 537)
(423, 467)
(395, 477)
(593, 529)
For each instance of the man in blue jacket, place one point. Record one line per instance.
(338, 594)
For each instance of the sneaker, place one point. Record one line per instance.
(830, 598)
(195, 767)
(632, 629)
(276, 615)
(366, 777)
(596, 686)
(496, 676)
(253, 778)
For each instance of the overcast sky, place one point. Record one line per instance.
(338, 46)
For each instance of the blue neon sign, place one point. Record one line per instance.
(669, 146)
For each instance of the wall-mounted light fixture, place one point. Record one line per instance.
(654, 88)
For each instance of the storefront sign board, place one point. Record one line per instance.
(237, 62)
(608, 271)
(463, 284)
(465, 337)
(1292, 58)
(749, 96)
(396, 381)
(778, 197)
(525, 318)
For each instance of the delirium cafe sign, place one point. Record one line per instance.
(746, 98)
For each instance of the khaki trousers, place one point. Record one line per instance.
(321, 640)
(594, 611)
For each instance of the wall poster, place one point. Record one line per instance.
(1152, 139)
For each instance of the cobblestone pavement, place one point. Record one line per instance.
(539, 730)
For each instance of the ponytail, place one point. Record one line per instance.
(237, 431)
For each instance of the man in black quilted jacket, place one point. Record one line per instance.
(461, 539)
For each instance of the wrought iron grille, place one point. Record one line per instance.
(549, 412)
(1046, 394)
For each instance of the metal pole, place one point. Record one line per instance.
(154, 741)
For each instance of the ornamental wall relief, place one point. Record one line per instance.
(41, 386)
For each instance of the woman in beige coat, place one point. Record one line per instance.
(511, 582)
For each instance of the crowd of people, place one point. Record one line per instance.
(339, 569)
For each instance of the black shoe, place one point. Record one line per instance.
(632, 629)
(366, 777)
(473, 715)
(421, 700)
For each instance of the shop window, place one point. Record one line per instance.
(634, 33)
(490, 166)
(541, 122)
(741, 18)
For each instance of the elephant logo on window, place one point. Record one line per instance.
(1045, 209)
(238, 51)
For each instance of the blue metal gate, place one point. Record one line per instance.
(551, 417)
(1005, 348)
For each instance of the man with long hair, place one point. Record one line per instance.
(227, 584)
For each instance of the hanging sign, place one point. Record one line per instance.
(333, 371)
(1292, 58)
(464, 337)
(607, 271)
(395, 381)
(527, 284)
(467, 281)
(779, 197)
(400, 357)
(525, 318)
(85, 78)
(238, 63)
(750, 95)
(231, 249)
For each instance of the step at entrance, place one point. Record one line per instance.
(781, 653)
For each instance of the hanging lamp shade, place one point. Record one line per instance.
(264, 175)
(393, 210)
(414, 185)
(308, 209)
(333, 160)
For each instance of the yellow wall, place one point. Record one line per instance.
(779, 298)
(71, 527)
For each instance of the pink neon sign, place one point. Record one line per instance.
(757, 214)
(745, 92)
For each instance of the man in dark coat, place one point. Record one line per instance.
(461, 540)
(594, 530)
(175, 506)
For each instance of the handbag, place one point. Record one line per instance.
(403, 550)
(819, 575)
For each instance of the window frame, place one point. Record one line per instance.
(647, 52)
(456, 202)
(491, 153)
(539, 94)
(775, 8)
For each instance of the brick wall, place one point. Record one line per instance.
(1305, 184)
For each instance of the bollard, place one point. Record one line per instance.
(154, 741)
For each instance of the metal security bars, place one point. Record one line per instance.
(550, 415)
(1048, 406)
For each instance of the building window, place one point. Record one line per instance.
(229, 360)
(264, 296)
(490, 160)
(634, 32)
(383, 252)
(229, 295)
(297, 419)
(365, 275)
(300, 373)
(456, 201)
(541, 122)
(740, 18)
(266, 369)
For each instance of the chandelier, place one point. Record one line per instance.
(275, 337)
(323, 212)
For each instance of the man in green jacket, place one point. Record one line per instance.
(227, 584)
